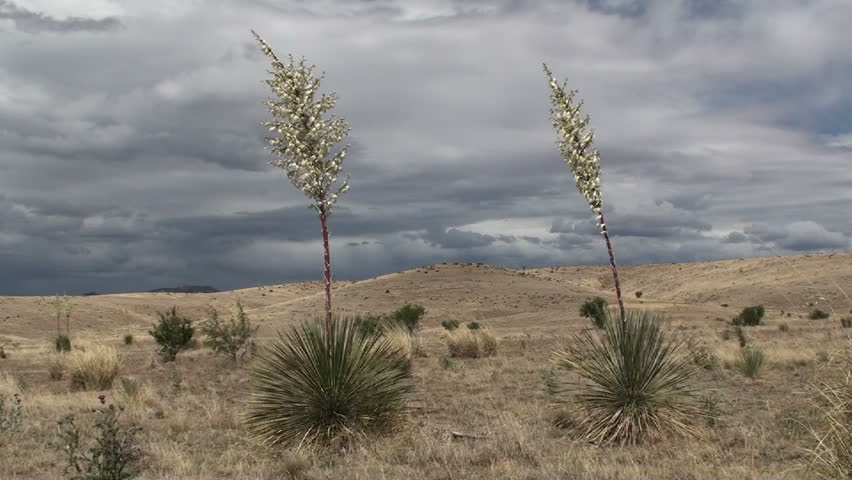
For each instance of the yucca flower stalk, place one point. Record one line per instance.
(63, 306)
(575, 143)
(304, 142)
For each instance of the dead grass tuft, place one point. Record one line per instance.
(465, 343)
(94, 368)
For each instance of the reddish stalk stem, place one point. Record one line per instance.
(614, 269)
(327, 270)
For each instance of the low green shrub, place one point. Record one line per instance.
(750, 316)
(818, 315)
(450, 324)
(172, 334)
(232, 338)
(128, 339)
(62, 343)
(474, 326)
(595, 309)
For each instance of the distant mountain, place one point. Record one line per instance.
(89, 294)
(186, 289)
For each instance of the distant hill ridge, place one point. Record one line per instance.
(186, 289)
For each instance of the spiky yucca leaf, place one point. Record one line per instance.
(312, 384)
(635, 383)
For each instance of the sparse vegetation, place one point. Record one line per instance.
(10, 414)
(313, 384)
(818, 315)
(831, 457)
(846, 322)
(128, 339)
(94, 368)
(113, 455)
(705, 359)
(639, 294)
(637, 383)
(750, 362)
(783, 327)
(596, 310)
(232, 338)
(474, 326)
(172, 334)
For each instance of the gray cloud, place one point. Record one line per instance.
(131, 155)
(35, 22)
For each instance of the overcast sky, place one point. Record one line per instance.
(131, 155)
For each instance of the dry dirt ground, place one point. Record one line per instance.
(190, 409)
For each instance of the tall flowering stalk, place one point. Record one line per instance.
(304, 142)
(575, 143)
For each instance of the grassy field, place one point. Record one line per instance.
(489, 417)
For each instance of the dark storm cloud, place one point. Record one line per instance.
(35, 22)
(131, 155)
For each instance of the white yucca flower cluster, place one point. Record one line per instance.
(304, 138)
(575, 142)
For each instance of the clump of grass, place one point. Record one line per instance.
(832, 455)
(783, 328)
(406, 341)
(750, 316)
(635, 383)
(750, 362)
(10, 415)
(638, 294)
(595, 309)
(313, 384)
(710, 410)
(94, 368)
(474, 326)
(846, 322)
(56, 366)
(128, 339)
(471, 343)
(450, 324)
(818, 315)
(705, 359)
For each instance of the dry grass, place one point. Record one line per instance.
(401, 337)
(94, 368)
(195, 430)
(465, 343)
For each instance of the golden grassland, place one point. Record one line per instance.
(190, 410)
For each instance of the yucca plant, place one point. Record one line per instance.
(634, 383)
(575, 144)
(750, 362)
(313, 384)
(304, 142)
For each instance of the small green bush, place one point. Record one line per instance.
(172, 334)
(231, 338)
(750, 316)
(409, 315)
(62, 343)
(750, 362)
(114, 454)
(846, 322)
(595, 309)
(638, 293)
(128, 339)
(450, 324)
(818, 315)
(474, 326)
(371, 324)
